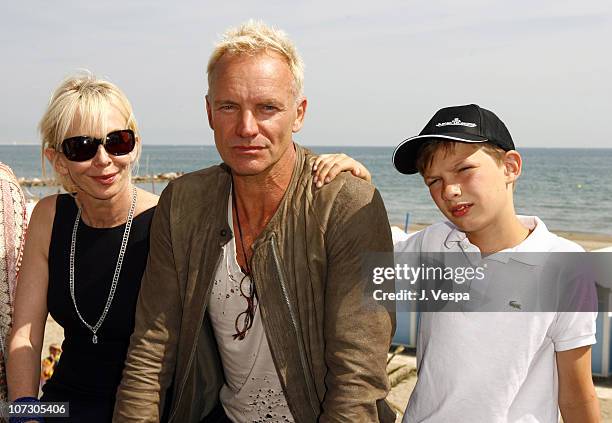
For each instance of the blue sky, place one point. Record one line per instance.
(375, 70)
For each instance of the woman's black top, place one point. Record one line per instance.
(88, 374)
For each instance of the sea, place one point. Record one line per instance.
(569, 189)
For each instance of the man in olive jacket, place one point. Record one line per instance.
(253, 303)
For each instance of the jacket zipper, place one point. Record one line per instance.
(193, 348)
(300, 343)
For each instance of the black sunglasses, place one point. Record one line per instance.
(82, 148)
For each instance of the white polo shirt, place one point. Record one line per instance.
(497, 366)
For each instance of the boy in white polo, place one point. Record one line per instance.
(496, 366)
(486, 366)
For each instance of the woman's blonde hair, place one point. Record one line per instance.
(254, 37)
(87, 98)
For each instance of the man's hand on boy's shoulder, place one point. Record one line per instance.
(577, 397)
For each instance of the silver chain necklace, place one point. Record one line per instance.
(109, 300)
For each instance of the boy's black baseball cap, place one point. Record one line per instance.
(469, 123)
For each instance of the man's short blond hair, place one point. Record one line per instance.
(252, 38)
(89, 99)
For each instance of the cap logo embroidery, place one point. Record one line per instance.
(456, 122)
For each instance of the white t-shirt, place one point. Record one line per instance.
(252, 391)
(497, 366)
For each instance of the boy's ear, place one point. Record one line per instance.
(513, 164)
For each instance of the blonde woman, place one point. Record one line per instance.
(85, 252)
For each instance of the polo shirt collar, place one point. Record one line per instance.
(456, 238)
(538, 240)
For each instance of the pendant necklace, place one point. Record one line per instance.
(109, 300)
